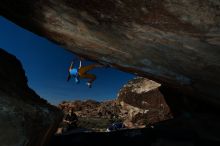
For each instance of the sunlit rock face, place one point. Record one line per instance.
(143, 102)
(25, 118)
(175, 42)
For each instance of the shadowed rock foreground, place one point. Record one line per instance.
(25, 118)
(165, 133)
(140, 137)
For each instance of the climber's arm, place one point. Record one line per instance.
(80, 64)
(68, 77)
(71, 65)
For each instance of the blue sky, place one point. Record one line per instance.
(46, 65)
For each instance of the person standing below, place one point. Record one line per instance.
(71, 120)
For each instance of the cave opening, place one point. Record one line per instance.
(191, 114)
(46, 65)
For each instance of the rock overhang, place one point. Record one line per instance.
(171, 41)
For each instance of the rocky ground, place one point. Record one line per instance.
(139, 103)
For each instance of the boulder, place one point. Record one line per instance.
(143, 102)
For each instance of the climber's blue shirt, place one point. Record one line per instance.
(74, 73)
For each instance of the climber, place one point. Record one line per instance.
(81, 72)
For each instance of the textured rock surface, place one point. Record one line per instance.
(175, 42)
(91, 108)
(25, 118)
(143, 102)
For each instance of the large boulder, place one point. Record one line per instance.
(25, 118)
(143, 102)
(175, 42)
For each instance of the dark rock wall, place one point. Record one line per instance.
(25, 118)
